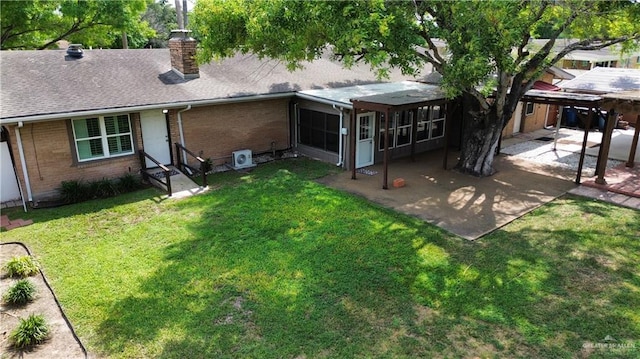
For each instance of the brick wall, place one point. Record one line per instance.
(50, 158)
(221, 129)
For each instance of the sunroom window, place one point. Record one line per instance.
(424, 124)
(103, 137)
(430, 122)
(405, 120)
(437, 121)
(319, 130)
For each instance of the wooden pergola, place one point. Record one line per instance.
(626, 100)
(591, 102)
(390, 103)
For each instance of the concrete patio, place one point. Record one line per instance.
(464, 205)
(472, 207)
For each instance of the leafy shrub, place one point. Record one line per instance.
(79, 191)
(21, 266)
(75, 191)
(103, 188)
(129, 183)
(21, 292)
(31, 331)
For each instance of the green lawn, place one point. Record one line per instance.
(273, 265)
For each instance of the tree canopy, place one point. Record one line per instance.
(39, 24)
(489, 52)
(162, 18)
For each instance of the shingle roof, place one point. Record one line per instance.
(45, 82)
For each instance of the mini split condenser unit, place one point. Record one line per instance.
(242, 159)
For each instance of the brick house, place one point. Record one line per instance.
(68, 118)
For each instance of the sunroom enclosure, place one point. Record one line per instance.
(414, 116)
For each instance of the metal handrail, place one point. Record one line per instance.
(165, 169)
(182, 165)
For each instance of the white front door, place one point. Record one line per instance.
(364, 139)
(9, 185)
(154, 137)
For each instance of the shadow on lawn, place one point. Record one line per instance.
(312, 272)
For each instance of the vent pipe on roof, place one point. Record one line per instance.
(185, 14)
(75, 51)
(180, 19)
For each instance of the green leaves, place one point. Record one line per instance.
(375, 32)
(21, 266)
(39, 24)
(21, 292)
(31, 331)
(482, 37)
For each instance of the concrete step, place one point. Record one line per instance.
(181, 184)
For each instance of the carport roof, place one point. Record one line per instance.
(601, 80)
(561, 98)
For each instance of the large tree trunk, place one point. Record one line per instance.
(481, 134)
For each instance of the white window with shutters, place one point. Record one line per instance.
(102, 137)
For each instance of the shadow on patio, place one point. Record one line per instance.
(464, 205)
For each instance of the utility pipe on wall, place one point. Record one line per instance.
(23, 162)
(184, 155)
(340, 137)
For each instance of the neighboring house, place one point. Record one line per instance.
(529, 117)
(583, 60)
(66, 118)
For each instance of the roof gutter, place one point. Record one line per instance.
(98, 112)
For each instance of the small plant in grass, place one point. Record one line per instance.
(21, 266)
(31, 331)
(207, 166)
(22, 292)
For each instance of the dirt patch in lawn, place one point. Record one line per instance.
(61, 342)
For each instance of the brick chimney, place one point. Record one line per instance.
(182, 48)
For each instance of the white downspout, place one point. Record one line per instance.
(340, 137)
(184, 155)
(23, 162)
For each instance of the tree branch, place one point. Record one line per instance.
(74, 29)
(6, 34)
(526, 36)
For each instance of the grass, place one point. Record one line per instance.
(272, 265)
